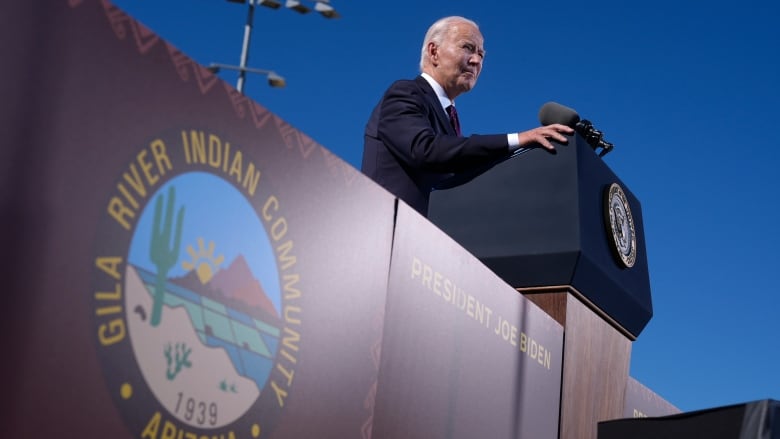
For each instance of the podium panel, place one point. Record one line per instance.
(642, 402)
(595, 364)
(758, 419)
(463, 354)
(543, 219)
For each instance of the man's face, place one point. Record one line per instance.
(458, 60)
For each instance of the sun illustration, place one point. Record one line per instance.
(203, 261)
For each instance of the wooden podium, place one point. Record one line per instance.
(564, 231)
(596, 357)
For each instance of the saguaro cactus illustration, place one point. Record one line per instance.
(163, 255)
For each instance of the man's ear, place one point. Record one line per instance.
(433, 52)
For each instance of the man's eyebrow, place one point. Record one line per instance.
(477, 48)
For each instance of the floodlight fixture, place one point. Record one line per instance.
(273, 4)
(297, 6)
(274, 79)
(325, 9)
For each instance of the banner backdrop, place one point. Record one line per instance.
(178, 262)
(181, 262)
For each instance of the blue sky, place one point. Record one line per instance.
(686, 91)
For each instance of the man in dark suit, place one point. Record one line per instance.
(413, 143)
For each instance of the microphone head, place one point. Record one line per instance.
(553, 112)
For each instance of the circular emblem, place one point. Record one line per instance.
(620, 225)
(197, 335)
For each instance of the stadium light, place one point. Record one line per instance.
(321, 6)
(274, 80)
(297, 6)
(324, 8)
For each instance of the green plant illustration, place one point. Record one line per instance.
(177, 362)
(225, 387)
(162, 254)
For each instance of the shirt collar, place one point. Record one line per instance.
(439, 90)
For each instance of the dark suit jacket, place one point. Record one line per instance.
(410, 148)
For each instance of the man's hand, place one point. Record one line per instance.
(541, 135)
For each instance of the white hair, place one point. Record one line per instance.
(437, 32)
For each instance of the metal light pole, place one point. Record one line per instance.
(274, 80)
(245, 47)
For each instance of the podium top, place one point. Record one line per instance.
(544, 219)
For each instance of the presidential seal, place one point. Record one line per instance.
(620, 225)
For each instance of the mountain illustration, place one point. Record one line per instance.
(234, 286)
(237, 282)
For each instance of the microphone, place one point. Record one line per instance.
(553, 112)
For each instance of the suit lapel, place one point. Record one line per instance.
(433, 101)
